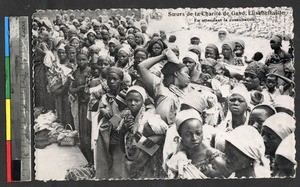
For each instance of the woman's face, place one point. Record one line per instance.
(104, 65)
(123, 57)
(82, 61)
(189, 63)
(140, 57)
(222, 35)
(271, 140)
(131, 40)
(195, 41)
(71, 54)
(237, 104)
(111, 47)
(138, 39)
(208, 70)
(191, 133)
(236, 160)
(61, 54)
(251, 81)
(113, 81)
(210, 53)
(75, 43)
(156, 49)
(226, 51)
(134, 101)
(257, 117)
(239, 49)
(183, 77)
(91, 37)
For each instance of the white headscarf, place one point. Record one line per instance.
(287, 148)
(281, 123)
(184, 115)
(248, 140)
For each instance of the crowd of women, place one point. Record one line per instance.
(145, 109)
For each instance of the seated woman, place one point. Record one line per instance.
(259, 114)
(194, 158)
(285, 158)
(245, 153)
(146, 128)
(229, 56)
(275, 129)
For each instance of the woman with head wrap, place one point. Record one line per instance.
(255, 75)
(75, 42)
(190, 59)
(275, 129)
(229, 56)
(211, 51)
(112, 45)
(124, 58)
(156, 46)
(285, 158)
(239, 109)
(194, 158)
(60, 91)
(109, 159)
(139, 39)
(197, 50)
(259, 114)
(279, 61)
(245, 153)
(285, 103)
(131, 41)
(168, 92)
(239, 48)
(147, 128)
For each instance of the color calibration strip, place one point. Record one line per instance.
(8, 101)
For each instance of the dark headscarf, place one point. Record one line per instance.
(157, 40)
(259, 69)
(215, 48)
(117, 71)
(168, 71)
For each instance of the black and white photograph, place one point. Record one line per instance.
(142, 94)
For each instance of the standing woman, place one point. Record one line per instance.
(62, 103)
(245, 153)
(141, 164)
(110, 159)
(168, 92)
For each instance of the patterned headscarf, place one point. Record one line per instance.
(259, 69)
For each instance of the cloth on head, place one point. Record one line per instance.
(224, 30)
(209, 62)
(192, 56)
(170, 68)
(248, 140)
(122, 97)
(184, 115)
(195, 47)
(277, 38)
(257, 68)
(114, 41)
(241, 42)
(287, 148)
(194, 35)
(196, 100)
(74, 38)
(94, 48)
(125, 49)
(264, 105)
(285, 101)
(91, 31)
(61, 47)
(57, 41)
(157, 40)
(281, 123)
(69, 47)
(117, 71)
(214, 47)
(242, 90)
(230, 44)
(138, 49)
(140, 35)
(138, 89)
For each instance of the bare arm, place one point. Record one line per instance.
(146, 75)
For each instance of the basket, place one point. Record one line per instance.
(67, 137)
